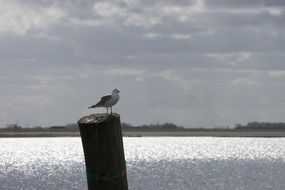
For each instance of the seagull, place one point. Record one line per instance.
(108, 101)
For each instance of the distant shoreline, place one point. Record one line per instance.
(150, 133)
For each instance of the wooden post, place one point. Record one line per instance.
(102, 142)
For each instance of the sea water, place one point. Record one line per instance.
(153, 163)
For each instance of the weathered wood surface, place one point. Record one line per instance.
(102, 142)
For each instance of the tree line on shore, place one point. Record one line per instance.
(261, 125)
(154, 126)
(74, 126)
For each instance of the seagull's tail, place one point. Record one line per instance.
(94, 106)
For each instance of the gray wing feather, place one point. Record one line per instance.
(103, 100)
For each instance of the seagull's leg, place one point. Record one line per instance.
(107, 110)
(111, 110)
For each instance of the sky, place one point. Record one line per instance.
(196, 63)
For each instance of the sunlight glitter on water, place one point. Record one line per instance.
(172, 148)
(152, 163)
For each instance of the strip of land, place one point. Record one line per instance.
(151, 133)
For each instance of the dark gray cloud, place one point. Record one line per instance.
(244, 3)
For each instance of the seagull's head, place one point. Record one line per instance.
(115, 91)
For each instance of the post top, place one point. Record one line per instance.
(97, 118)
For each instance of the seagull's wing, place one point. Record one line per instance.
(103, 100)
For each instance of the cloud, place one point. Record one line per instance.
(277, 74)
(125, 72)
(152, 35)
(21, 19)
(249, 78)
(173, 76)
(244, 81)
(231, 58)
(93, 28)
(139, 74)
(244, 3)
(20, 102)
